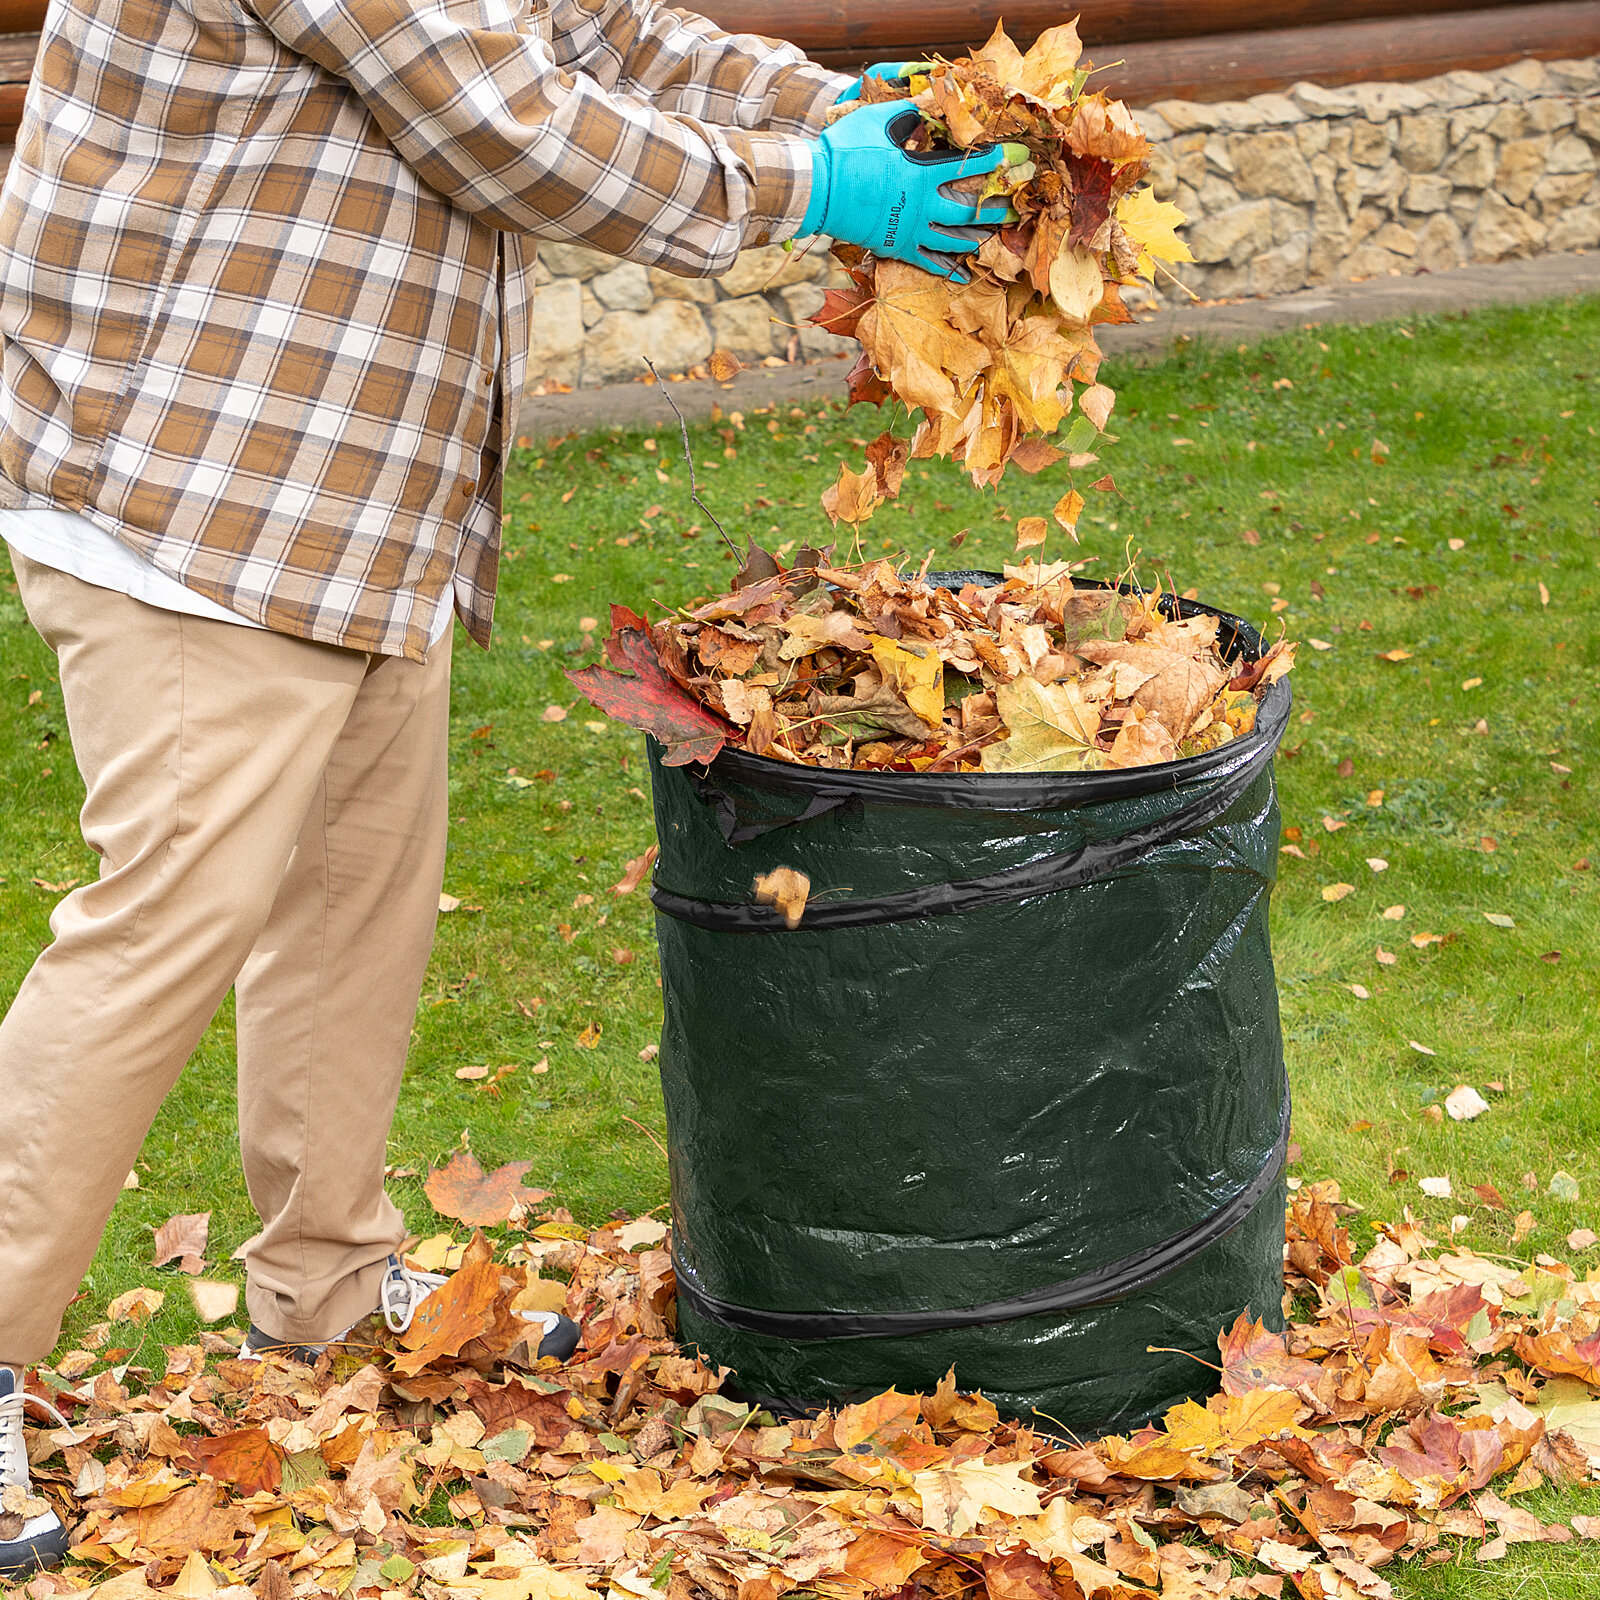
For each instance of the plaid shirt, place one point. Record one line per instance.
(264, 313)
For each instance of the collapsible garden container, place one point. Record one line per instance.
(1010, 1097)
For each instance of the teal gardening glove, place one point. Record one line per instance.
(867, 190)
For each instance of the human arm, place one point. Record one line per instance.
(486, 116)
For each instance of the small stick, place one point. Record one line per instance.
(694, 488)
(653, 1140)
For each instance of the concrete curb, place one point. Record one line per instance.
(1468, 288)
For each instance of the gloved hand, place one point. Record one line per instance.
(868, 190)
(888, 70)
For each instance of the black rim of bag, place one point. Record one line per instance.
(1230, 770)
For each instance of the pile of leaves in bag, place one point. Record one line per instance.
(993, 363)
(444, 1463)
(868, 667)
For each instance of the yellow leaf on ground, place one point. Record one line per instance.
(917, 672)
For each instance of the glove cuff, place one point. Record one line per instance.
(821, 190)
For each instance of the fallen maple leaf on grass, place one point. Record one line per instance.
(463, 1190)
(182, 1238)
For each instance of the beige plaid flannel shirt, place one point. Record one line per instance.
(265, 279)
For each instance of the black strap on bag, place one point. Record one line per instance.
(736, 829)
(1095, 859)
(1117, 1280)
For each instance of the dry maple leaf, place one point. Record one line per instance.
(636, 871)
(247, 1459)
(787, 890)
(182, 1238)
(463, 1190)
(852, 498)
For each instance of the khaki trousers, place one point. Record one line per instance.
(269, 815)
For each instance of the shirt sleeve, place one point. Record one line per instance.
(486, 115)
(682, 62)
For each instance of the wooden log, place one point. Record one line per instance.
(866, 32)
(1241, 64)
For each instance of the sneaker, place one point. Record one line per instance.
(402, 1291)
(31, 1534)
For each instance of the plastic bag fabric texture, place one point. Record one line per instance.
(1010, 1098)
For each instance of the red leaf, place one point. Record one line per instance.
(864, 385)
(1254, 1358)
(647, 697)
(247, 1459)
(842, 309)
(463, 1190)
(1091, 196)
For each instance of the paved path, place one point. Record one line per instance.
(1503, 283)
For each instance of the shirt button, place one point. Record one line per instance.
(467, 486)
(488, 376)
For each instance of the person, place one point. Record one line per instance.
(266, 274)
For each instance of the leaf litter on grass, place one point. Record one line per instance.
(451, 1463)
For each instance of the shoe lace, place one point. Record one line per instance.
(13, 1447)
(404, 1289)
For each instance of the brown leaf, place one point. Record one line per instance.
(636, 871)
(461, 1310)
(247, 1459)
(463, 1190)
(886, 455)
(785, 889)
(852, 497)
(724, 366)
(182, 1238)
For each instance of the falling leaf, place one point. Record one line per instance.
(636, 871)
(852, 498)
(787, 890)
(182, 1238)
(463, 1190)
(723, 366)
(1031, 532)
(1067, 510)
(213, 1301)
(1464, 1103)
(1337, 891)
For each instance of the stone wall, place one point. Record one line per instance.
(1282, 191)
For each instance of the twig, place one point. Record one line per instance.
(694, 488)
(651, 1137)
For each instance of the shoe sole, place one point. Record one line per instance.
(20, 1557)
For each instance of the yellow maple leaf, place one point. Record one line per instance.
(853, 498)
(1051, 728)
(1233, 1422)
(910, 339)
(1151, 224)
(918, 674)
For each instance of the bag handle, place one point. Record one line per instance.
(736, 826)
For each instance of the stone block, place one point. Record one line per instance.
(1187, 201)
(1373, 261)
(1589, 120)
(1521, 165)
(624, 288)
(1426, 191)
(1556, 191)
(1330, 244)
(1569, 154)
(1385, 186)
(1271, 164)
(773, 267)
(1163, 173)
(1350, 185)
(1369, 142)
(1288, 220)
(1445, 94)
(1575, 77)
(1276, 110)
(1216, 153)
(1500, 231)
(592, 309)
(1424, 142)
(801, 300)
(672, 333)
(1577, 228)
(1440, 245)
(1191, 168)
(1394, 237)
(1475, 85)
(1473, 164)
(1365, 223)
(1184, 116)
(669, 286)
(1470, 120)
(1464, 204)
(1216, 194)
(1509, 122)
(1528, 76)
(1237, 115)
(574, 260)
(1282, 269)
(1550, 116)
(1312, 136)
(1234, 235)
(1228, 282)
(555, 326)
(1381, 100)
(1153, 125)
(745, 326)
(1316, 101)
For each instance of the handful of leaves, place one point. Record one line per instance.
(865, 667)
(996, 365)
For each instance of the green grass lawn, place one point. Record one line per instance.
(1249, 474)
